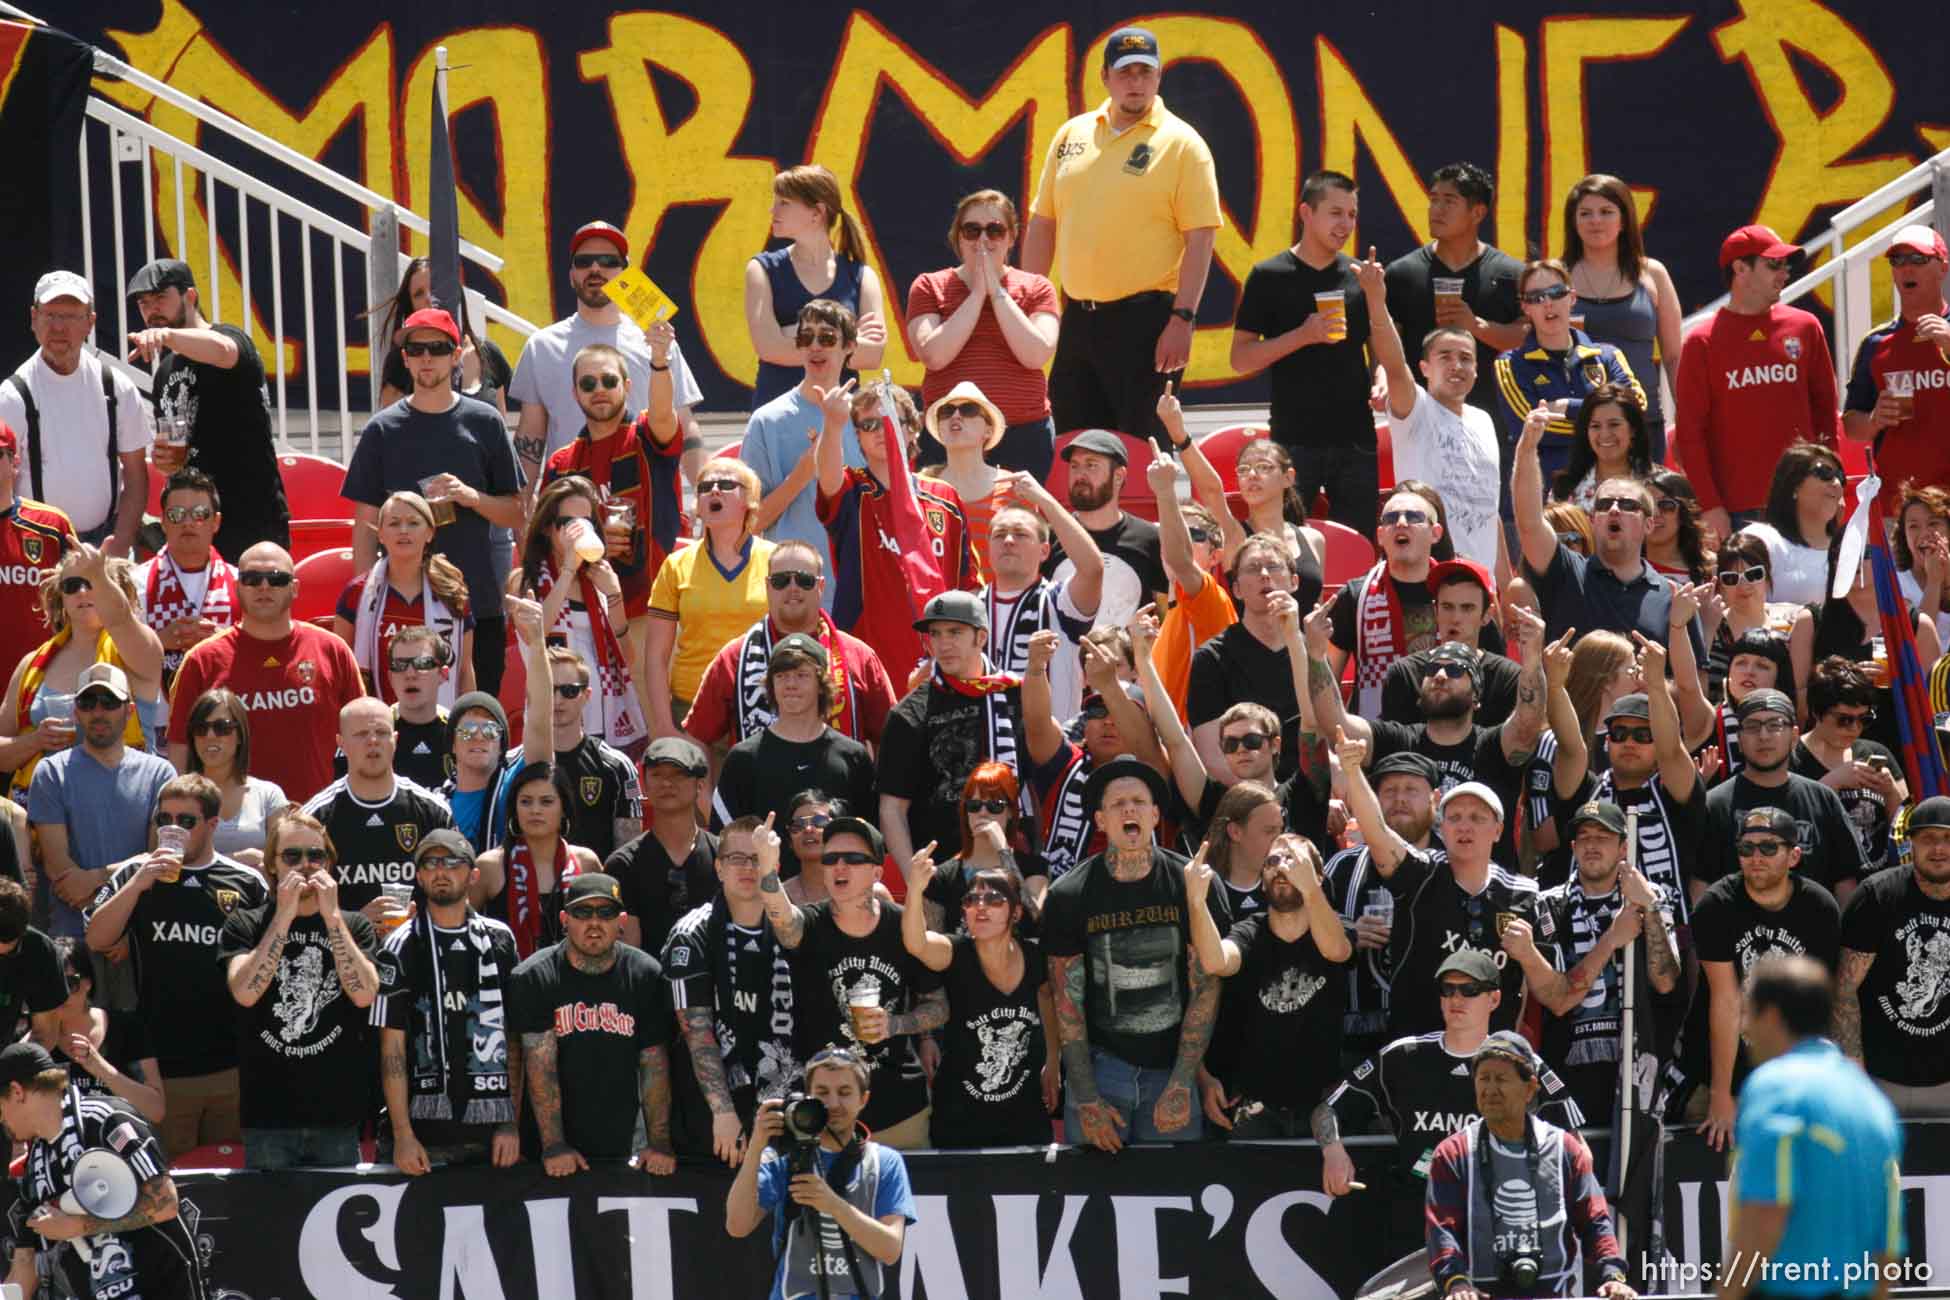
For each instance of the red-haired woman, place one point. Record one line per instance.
(992, 835)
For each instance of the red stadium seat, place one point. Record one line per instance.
(730, 451)
(1222, 449)
(311, 487)
(310, 536)
(321, 580)
(1349, 555)
(1136, 498)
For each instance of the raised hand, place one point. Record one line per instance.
(1198, 879)
(765, 845)
(1529, 631)
(836, 403)
(1042, 648)
(920, 870)
(1372, 276)
(1143, 631)
(1171, 413)
(1557, 660)
(1533, 427)
(1652, 659)
(1162, 473)
(1347, 753)
(1320, 630)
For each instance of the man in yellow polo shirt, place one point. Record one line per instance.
(1125, 214)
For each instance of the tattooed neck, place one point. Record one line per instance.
(1130, 864)
(591, 965)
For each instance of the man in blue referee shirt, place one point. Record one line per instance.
(1815, 1175)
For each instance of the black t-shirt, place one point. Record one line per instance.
(402, 445)
(1418, 615)
(31, 981)
(602, 1026)
(1303, 808)
(304, 1055)
(1478, 757)
(420, 754)
(1906, 994)
(933, 739)
(230, 440)
(1489, 287)
(1131, 541)
(1830, 852)
(710, 956)
(606, 791)
(1434, 918)
(1134, 937)
(1671, 831)
(656, 891)
(951, 880)
(1320, 393)
(1729, 926)
(181, 984)
(1401, 690)
(1584, 1040)
(375, 841)
(1352, 883)
(988, 1091)
(1864, 807)
(764, 771)
(1293, 1002)
(827, 963)
(1236, 666)
(125, 1044)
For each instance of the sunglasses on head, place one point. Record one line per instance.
(96, 701)
(1765, 848)
(608, 261)
(264, 577)
(1252, 742)
(1534, 296)
(1404, 517)
(848, 858)
(431, 348)
(74, 586)
(1464, 988)
(569, 690)
(726, 486)
(183, 821)
(183, 514)
(809, 822)
(1630, 505)
(1618, 733)
(595, 912)
(817, 338)
(836, 1055)
(789, 578)
(477, 731)
(1734, 577)
(608, 379)
(294, 857)
(996, 806)
(1827, 473)
(975, 898)
(974, 230)
(966, 410)
(214, 727)
(417, 664)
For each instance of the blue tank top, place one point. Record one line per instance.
(788, 296)
(1630, 324)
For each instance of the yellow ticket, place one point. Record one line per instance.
(639, 297)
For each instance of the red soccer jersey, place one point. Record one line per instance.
(632, 467)
(1748, 387)
(292, 688)
(1919, 447)
(33, 538)
(871, 597)
(397, 613)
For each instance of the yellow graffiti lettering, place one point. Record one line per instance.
(1236, 50)
(1512, 139)
(1347, 112)
(1567, 45)
(501, 67)
(692, 163)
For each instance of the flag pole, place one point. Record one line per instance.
(1621, 1138)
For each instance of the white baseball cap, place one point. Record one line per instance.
(62, 284)
(1476, 790)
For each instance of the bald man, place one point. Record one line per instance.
(292, 677)
(374, 816)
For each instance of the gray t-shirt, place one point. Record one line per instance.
(104, 810)
(545, 372)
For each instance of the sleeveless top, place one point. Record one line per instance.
(788, 296)
(1631, 324)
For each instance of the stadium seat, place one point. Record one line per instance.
(1222, 449)
(1136, 498)
(311, 487)
(1349, 555)
(321, 579)
(730, 450)
(310, 536)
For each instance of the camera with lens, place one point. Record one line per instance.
(805, 1120)
(1520, 1272)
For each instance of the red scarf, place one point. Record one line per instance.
(998, 724)
(1380, 638)
(623, 722)
(165, 600)
(524, 891)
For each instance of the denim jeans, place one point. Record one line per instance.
(294, 1148)
(1133, 1091)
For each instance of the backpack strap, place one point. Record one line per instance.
(19, 386)
(114, 469)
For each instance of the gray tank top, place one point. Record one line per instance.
(1630, 324)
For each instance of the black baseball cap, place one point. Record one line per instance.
(803, 644)
(866, 830)
(592, 884)
(954, 607)
(1602, 811)
(21, 1061)
(1775, 821)
(1934, 811)
(1124, 765)
(163, 273)
(452, 843)
(1101, 441)
(1635, 705)
(1406, 762)
(1130, 45)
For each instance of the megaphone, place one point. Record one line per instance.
(102, 1186)
(1406, 1279)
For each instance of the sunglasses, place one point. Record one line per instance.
(214, 727)
(265, 577)
(183, 821)
(1630, 505)
(1573, 540)
(609, 379)
(973, 230)
(1095, 712)
(738, 859)
(1446, 669)
(1552, 294)
(1618, 733)
(810, 822)
(1827, 473)
(869, 423)
(477, 731)
(96, 702)
(836, 858)
(599, 912)
(722, 486)
(417, 664)
(1667, 504)
(436, 348)
(1202, 534)
(1895, 259)
(1759, 848)
(1404, 517)
(443, 862)
(608, 261)
(965, 410)
(183, 514)
(817, 338)
(1464, 989)
(803, 581)
(73, 586)
(569, 690)
(837, 1055)
(975, 898)
(996, 806)
(294, 857)
(1852, 721)
(1734, 577)
(1252, 742)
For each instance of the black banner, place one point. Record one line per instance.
(43, 89)
(1238, 1221)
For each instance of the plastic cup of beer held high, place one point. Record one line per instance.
(863, 996)
(1333, 305)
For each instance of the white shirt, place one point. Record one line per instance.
(194, 582)
(544, 373)
(1456, 455)
(1800, 573)
(74, 434)
(1913, 593)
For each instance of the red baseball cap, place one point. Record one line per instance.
(1755, 241)
(9, 440)
(599, 230)
(1460, 568)
(1920, 239)
(432, 318)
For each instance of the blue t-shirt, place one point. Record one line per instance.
(891, 1196)
(104, 810)
(775, 439)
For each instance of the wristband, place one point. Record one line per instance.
(655, 366)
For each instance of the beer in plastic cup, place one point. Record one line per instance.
(864, 996)
(1333, 305)
(1879, 653)
(1448, 288)
(173, 840)
(619, 521)
(1901, 385)
(172, 431)
(401, 894)
(587, 542)
(443, 509)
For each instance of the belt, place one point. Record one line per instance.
(1089, 304)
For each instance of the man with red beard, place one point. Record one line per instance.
(1911, 354)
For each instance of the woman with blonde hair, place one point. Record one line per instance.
(89, 603)
(410, 585)
(806, 210)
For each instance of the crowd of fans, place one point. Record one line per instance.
(1139, 824)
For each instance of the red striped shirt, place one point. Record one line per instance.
(1018, 391)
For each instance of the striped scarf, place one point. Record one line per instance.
(753, 714)
(165, 599)
(992, 688)
(1380, 637)
(623, 723)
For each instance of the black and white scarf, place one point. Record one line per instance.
(1658, 847)
(998, 728)
(477, 1093)
(1069, 826)
(1013, 621)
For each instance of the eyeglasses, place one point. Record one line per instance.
(1252, 742)
(1446, 669)
(1463, 989)
(436, 348)
(74, 586)
(1734, 577)
(1667, 505)
(996, 806)
(1573, 540)
(214, 727)
(1630, 505)
(966, 410)
(837, 858)
(1759, 848)
(598, 912)
(1095, 711)
(1771, 727)
(265, 577)
(974, 230)
(608, 379)
(791, 578)
(975, 898)
(443, 862)
(183, 821)
(1270, 569)
(810, 822)
(817, 338)
(1618, 733)
(1895, 259)
(569, 690)
(183, 514)
(1533, 297)
(477, 731)
(1827, 473)
(96, 701)
(293, 857)
(1404, 517)
(1852, 721)
(608, 261)
(1199, 533)
(738, 859)
(725, 486)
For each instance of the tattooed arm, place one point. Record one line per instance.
(788, 922)
(1098, 1119)
(505, 1146)
(357, 976)
(251, 972)
(409, 1157)
(1174, 1108)
(707, 1063)
(653, 1069)
(559, 1159)
(930, 1012)
(1661, 954)
(1848, 1000)
(155, 1203)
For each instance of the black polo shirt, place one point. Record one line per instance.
(1581, 593)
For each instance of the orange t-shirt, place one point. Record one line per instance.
(1191, 622)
